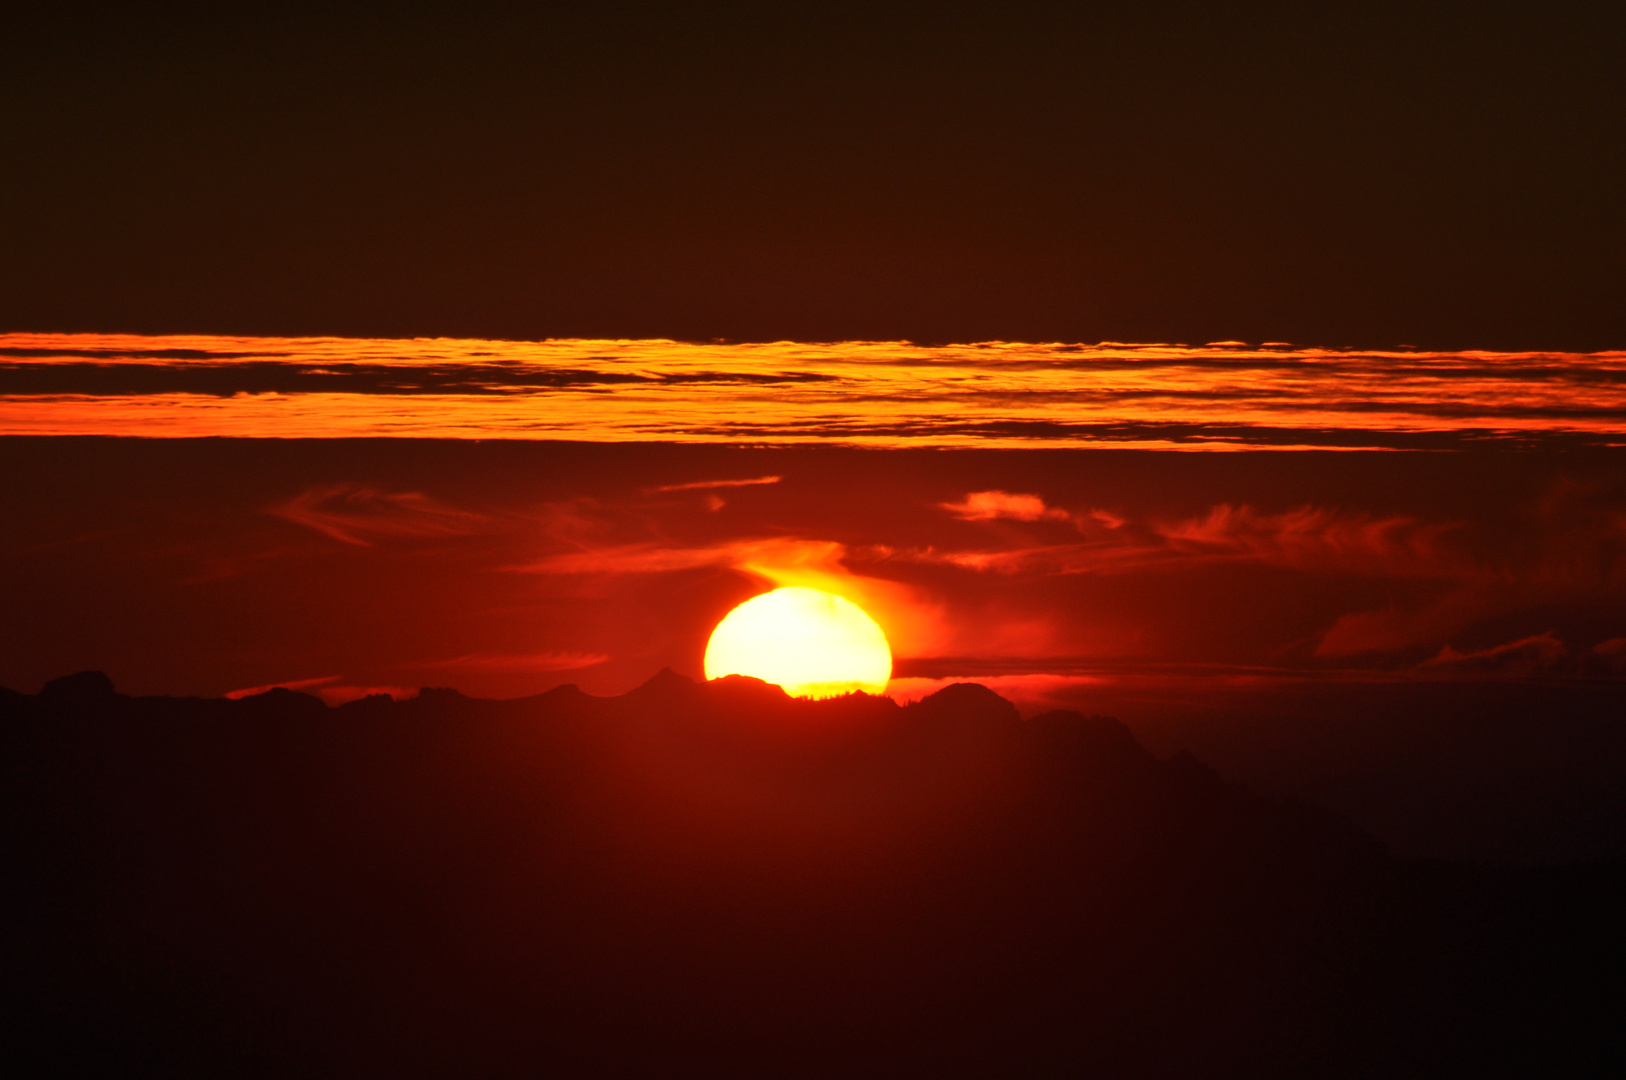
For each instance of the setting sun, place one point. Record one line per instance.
(812, 643)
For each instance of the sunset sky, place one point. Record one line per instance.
(1253, 373)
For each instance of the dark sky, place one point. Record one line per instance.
(1439, 174)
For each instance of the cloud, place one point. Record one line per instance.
(781, 561)
(911, 622)
(362, 515)
(1308, 538)
(1527, 656)
(1115, 556)
(1003, 505)
(1612, 653)
(641, 558)
(1312, 537)
(1392, 629)
(703, 485)
(145, 372)
(1011, 394)
(1568, 553)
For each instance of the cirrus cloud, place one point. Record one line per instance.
(1527, 656)
(363, 515)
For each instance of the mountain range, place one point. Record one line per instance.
(719, 878)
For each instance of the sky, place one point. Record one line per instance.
(1250, 372)
(1435, 174)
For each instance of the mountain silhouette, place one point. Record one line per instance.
(717, 877)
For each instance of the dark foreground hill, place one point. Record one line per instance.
(719, 880)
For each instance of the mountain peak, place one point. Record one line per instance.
(971, 701)
(85, 686)
(664, 683)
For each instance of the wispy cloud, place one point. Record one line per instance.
(1393, 628)
(911, 621)
(1611, 654)
(779, 560)
(641, 558)
(1527, 656)
(1315, 537)
(1084, 558)
(1309, 537)
(1569, 552)
(363, 515)
(704, 485)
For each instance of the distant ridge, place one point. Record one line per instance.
(716, 877)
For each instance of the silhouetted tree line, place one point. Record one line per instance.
(716, 878)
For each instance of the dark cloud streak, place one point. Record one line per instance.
(273, 377)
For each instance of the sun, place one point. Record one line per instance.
(814, 644)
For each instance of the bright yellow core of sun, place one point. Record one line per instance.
(812, 643)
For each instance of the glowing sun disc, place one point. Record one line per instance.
(812, 643)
